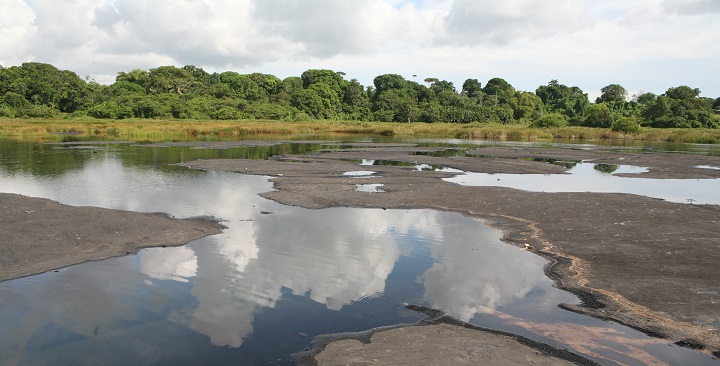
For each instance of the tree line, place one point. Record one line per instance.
(41, 90)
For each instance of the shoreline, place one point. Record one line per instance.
(407, 344)
(40, 235)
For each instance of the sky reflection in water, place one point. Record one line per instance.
(334, 257)
(585, 178)
(246, 293)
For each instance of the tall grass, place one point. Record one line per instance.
(153, 130)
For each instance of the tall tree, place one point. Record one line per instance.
(529, 106)
(598, 115)
(568, 101)
(680, 107)
(44, 84)
(169, 79)
(395, 98)
(139, 77)
(499, 91)
(355, 103)
(682, 92)
(472, 88)
(613, 93)
(329, 86)
(645, 98)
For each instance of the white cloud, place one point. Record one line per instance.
(322, 28)
(644, 44)
(16, 28)
(692, 7)
(473, 22)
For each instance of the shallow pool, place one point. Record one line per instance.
(600, 178)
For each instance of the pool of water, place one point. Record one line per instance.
(278, 275)
(369, 188)
(359, 173)
(415, 166)
(601, 178)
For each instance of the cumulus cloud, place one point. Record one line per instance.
(322, 27)
(208, 33)
(692, 7)
(190, 32)
(16, 27)
(525, 41)
(105, 18)
(248, 32)
(326, 28)
(61, 27)
(473, 22)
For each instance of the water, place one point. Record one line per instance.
(588, 177)
(416, 166)
(369, 188)
(250, 294)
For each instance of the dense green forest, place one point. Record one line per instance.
(42, 91)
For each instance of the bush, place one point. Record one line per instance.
(384, 115)
(110, 110)
(227, 113)
(13, 100)
(598, 115)
(626, 125)
(550, 120)
(36, 111)
(270, 111)
(6, 112)
(79, 114)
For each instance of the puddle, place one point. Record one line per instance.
(370, 188)
(416, 166)
(600, 178)
(371, 162)
(245, 295)
(359, 173)
(708, 167)
(619, 169)
(562, 163)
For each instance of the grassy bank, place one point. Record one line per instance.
(143, 129)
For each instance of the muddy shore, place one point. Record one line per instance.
(38, 235)
(644, 262)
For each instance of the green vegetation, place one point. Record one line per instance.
(165, 129)
(38, 90)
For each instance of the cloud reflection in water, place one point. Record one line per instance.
(338, 256)
(335, 257)
(473, 270)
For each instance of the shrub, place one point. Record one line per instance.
(6, 112)
(227, 113)
(550, 120)
(626, 125)
(36, 111)
(13, 100)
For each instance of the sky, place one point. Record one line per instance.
(643, 45)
